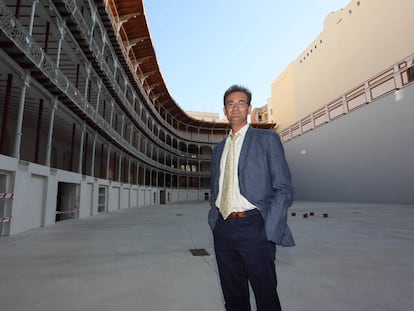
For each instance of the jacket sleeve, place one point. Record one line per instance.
(282, 194)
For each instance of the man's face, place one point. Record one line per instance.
(237, 109)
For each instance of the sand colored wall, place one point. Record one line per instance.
(357, 42)
(281, 105)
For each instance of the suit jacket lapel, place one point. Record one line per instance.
(245, 148)
(220, 149)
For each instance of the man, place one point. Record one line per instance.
(250, 219)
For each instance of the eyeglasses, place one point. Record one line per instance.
(239, 104)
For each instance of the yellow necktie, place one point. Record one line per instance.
(228, 181)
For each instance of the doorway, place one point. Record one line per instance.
(67, 201)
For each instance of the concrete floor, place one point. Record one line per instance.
(361, 257)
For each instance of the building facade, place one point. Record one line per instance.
(88, 126)
(87, 123)
(344, 107)
(357, 42)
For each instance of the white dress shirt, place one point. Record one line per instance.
(240, 203)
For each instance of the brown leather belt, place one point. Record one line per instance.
(243, 214)
(237, 215)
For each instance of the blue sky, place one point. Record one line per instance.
(203, 47)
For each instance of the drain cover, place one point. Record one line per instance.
(199, 252)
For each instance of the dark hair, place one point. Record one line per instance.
(238, 88)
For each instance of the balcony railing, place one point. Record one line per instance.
(17, 33)
(390, 80)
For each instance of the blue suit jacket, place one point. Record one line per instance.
(264, 180)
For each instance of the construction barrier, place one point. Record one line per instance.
(6, 195)
(5, 219)
(73, 212)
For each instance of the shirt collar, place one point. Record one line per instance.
(242, 131)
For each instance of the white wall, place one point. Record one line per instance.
(35, 189)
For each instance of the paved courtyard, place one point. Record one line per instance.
(358, 257)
